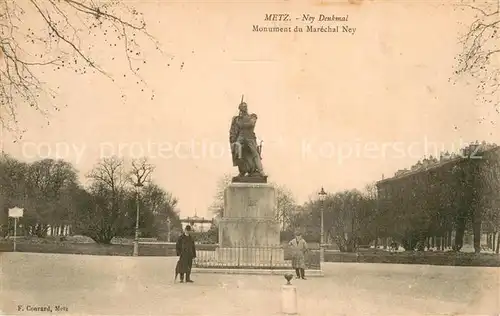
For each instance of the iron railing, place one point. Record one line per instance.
(252, 257)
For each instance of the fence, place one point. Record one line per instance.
(263, 257)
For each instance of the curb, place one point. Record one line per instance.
(309, 273)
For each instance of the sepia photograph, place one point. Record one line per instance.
(227, 158)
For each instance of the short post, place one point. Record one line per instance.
(15, 233)
(289, 299)
(271, 258)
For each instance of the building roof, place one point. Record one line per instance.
(196, 219)
(434, 165)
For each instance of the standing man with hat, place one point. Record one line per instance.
(186, 251)
(299, 249)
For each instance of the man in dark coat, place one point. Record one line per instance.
(187, 252)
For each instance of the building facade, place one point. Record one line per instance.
(443, 197)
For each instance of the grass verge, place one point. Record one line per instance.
(312, 258)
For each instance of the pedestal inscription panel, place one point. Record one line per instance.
(249, 216)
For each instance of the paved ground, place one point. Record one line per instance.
(98, 285)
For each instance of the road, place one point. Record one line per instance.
(100, 285)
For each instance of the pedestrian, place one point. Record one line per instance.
(186, 251)
(299, 249)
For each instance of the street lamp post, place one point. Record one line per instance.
(138, 186)
(322, 197)
(168, 226)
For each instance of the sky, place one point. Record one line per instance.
(336, 110)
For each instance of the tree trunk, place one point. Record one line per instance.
(498, 244)
(409, 243)
(493, 241)
(476, 228)
(341, 243)
(421, 242)
(459, 235)
(406, 244)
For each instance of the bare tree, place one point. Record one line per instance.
(37, 36)
(141, 172)
(370, 190)
(159, 208)
(218, 203)
(285, 205)
(481, 51)
(103, 218)
(50, 186)
(43, 188)
(109, 172)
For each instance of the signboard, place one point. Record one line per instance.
(16, 212)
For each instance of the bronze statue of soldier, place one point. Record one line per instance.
(245, 152)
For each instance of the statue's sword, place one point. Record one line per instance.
(260, 149)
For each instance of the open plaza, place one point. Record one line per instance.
(115, 285)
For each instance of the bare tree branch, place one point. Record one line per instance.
(479, 56)
(62, 35)
(141, 172)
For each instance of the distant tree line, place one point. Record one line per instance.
(348, 216)
(53, 197)
(419, 208)
(349, 219)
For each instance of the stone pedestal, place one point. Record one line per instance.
(249, 216)
(249, 233)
